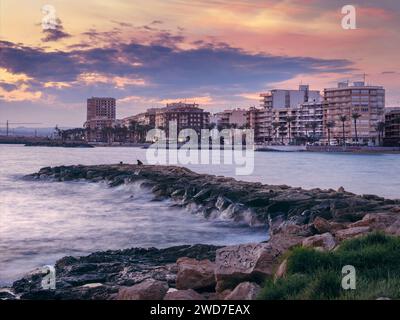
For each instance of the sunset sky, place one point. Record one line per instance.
(218, 53)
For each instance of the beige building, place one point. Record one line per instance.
(147, 118)
(101, 113)
(365, 101)
(279, 104)
(260, 120)
(101, 109)
(300, 124)
(231, 118)
(187, 116)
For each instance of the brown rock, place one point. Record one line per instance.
(149, 289)
(284, 241)
(335, 226)
(222, 295)
(322, 225)
(291, 230)
(376, 221)
(244, 291)
(323, 242)
(195, 274)
(238, 263)
(183, 295)
(394, 229)
(282, 270)
(395, 209)
(345, 234)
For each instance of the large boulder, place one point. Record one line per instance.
(376, 221)
(322, 225)
(244, 291)
(183, 295)
(235, 264)
(149, 289)
(349, 233)
(195, 274)
(323, 242)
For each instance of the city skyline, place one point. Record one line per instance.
(219, 54)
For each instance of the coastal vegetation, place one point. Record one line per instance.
(313, 274)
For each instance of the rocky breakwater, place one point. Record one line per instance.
(319, 219)
(252, 202)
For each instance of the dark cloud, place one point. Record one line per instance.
(38, 64)
(8, 86)
(209, 69)
(94, 36)
(165, 38)
(56, 33)
(122, 24)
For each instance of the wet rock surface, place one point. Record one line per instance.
(102, 275)
(251, 202)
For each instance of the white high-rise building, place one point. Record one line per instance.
(281, 98)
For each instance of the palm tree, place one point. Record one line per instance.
(269, 138)
(58, 131)
(276, 125)
(107, 133)
(355, 117)
(282, 131)
(307, 126)
(132, 130)
(329, 125)
(380, 128)
(290, 120)
(343, 120)
(121, 133)
(88, 135)
(314, 126)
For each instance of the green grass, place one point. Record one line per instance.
(317, 275)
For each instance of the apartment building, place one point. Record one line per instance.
(278, 105)
(101, 113)
(298, 125)
(284, 99)
(231, 118)
(101, 108)
(260, 119)
(187, 116)
(392, 127)
(147, 118)
(310, 120)
(359, 107)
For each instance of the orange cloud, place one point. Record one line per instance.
(20, 94)
(118, 82)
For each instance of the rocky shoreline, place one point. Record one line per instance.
(316, 218)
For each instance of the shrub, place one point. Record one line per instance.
(317, 275)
